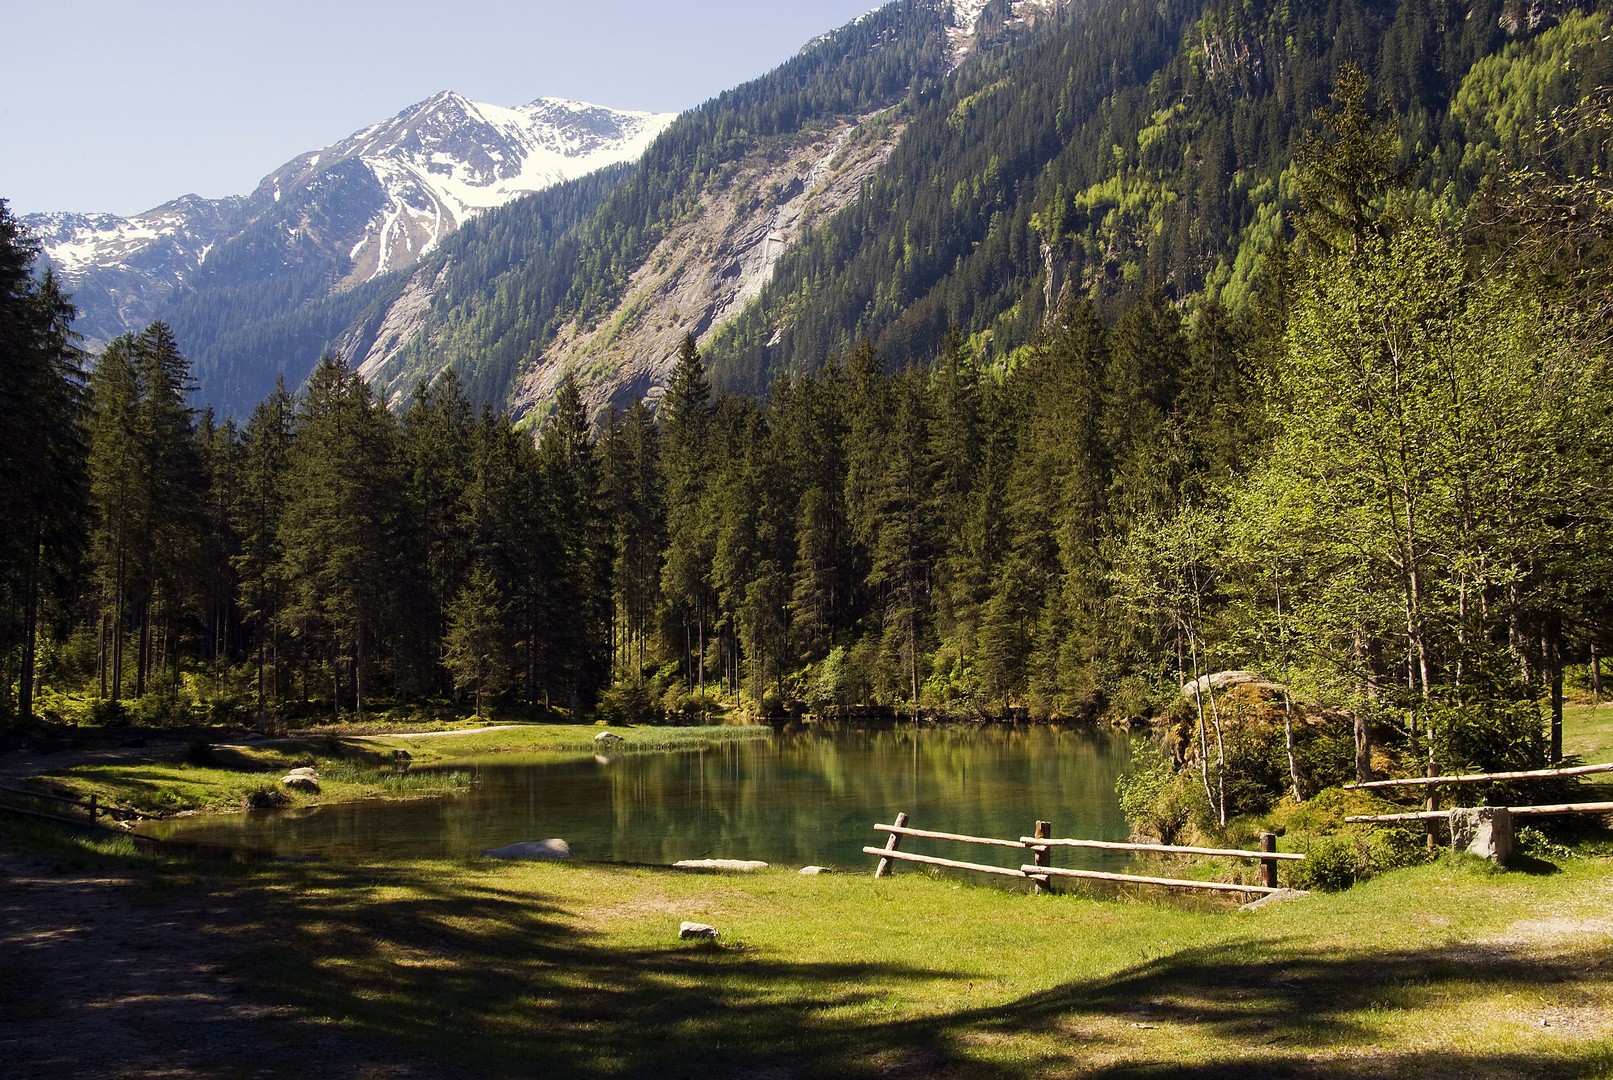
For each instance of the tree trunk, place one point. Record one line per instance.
(1596, 675)
(1363, 748)
(1552, 647)
(30, 634)
(1288, 739)
(143, 653)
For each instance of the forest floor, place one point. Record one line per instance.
(118, 964)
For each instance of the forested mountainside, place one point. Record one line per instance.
(895, 194)
(493, 328)
(1146, 145)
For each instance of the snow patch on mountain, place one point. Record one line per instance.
(435, 165)
(963, 28)
(447, 159)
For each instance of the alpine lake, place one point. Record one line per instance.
(808, 795)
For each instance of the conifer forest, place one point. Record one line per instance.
(1219, 337)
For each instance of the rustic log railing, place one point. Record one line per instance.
(93, 806)
(1515, 811)
(1040, 870)
(1474, 778)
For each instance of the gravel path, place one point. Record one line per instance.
(101, 976)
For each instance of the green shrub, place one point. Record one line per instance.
(1537, 845)
(1337, 861)
(1156, 800)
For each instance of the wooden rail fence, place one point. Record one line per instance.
(1473, 778)
(91, 806)
(1433, 815)
(1042, 843)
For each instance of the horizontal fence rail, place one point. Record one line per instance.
(1164, 849)
(1515, 811)
(1042, 844)
(1473, 778)
(1138, 879)
(1029, 841)
(907, 856)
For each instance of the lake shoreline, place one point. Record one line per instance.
(175, 782)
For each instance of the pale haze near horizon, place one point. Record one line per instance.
(118, 107)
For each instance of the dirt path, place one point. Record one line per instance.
(439, 734)
(102, 976)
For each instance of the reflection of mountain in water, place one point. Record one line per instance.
(806, 796)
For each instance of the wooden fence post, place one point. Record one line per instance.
(1268, 867)
(1043, 856)
(1433, 824)
(93, 809)
(892, 844)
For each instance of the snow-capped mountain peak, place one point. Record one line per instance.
(381, 198)
(447, 158)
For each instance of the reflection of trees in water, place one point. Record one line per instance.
(807, 795)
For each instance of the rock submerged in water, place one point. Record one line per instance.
(300, 782)
(532, 850)
(720, 864)
(698, 930)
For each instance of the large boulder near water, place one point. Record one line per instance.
(1227, 680)
(607, 738)
(300, 782)
(532, 850)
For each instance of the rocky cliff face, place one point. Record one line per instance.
(710, 267)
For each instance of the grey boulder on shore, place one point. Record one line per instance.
(720, 864)
(533, 849)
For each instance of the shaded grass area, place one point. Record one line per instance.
(568, 738)
(495, 969)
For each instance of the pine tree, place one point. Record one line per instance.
(259, 510)
(685, 416)
(42, 484)
(339, 531)
(477, 648)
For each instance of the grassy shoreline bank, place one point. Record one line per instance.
(205, 777)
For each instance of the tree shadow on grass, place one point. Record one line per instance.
(495, 981)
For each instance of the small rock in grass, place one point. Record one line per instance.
(1275, 898)
(305, 770)
(535, 849)
(813, 870)
(697, 930)
(608, 736)
(299, 782)
(720, 864)
(402, 755)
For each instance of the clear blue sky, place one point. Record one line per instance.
(121, 105)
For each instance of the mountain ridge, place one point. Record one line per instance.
(368, 205)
